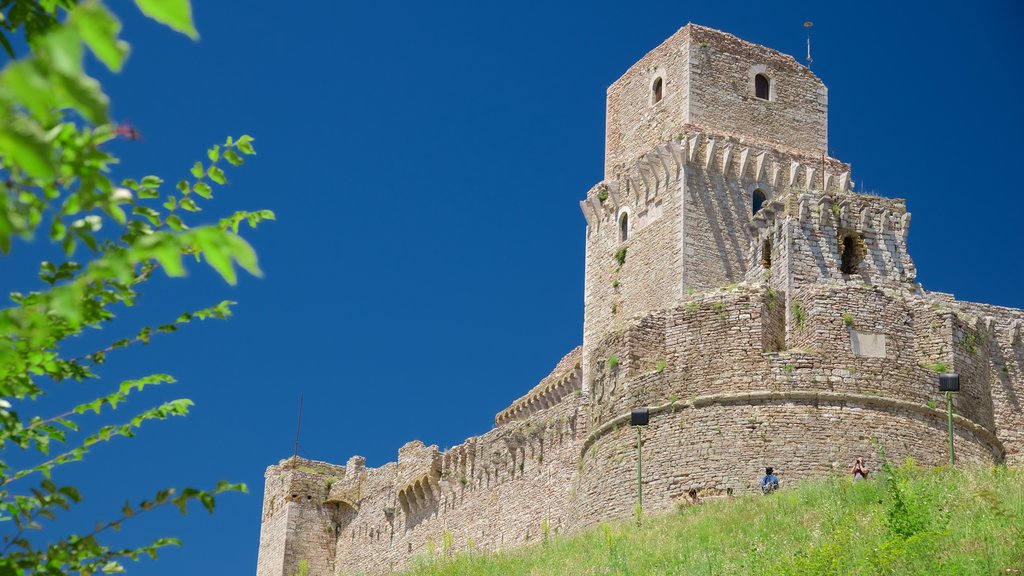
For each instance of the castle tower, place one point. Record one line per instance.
(701, 132)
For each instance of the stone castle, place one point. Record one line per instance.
(735, 285)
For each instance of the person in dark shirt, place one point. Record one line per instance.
(770, 482)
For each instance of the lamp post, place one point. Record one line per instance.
(638, 418)
(950, 384)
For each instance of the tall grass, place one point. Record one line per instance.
(903, 521)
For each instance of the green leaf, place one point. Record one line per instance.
(112, 567)
(197, 170)
(174, 13)
(174, 221)
(57, 230)
(99, 29)
(220, 260)
(233, 157)
(150, 214)
(244, 254)
(213, 153)
(30, 87)
(83, 94)
(244, 144)
(63, 48)
(217, 175)
(203, 189)
(169, 256)
(25, 145)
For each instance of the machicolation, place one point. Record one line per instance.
(737, 286)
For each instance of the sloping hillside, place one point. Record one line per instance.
(906, 520)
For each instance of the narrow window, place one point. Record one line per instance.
(624, 228)
(766, 253)
(759, 198)
(762, 87)
(656, 91)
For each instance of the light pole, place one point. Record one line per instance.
(638, 418)
(950, 384)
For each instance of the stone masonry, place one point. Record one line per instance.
(736, 285)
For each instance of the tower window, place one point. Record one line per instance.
(851, 252)
(766, 253)
(656, 91)
(762, 87)
(759, 198)
(624, 228)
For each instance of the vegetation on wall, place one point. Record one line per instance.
(799, 314)
(620, 256)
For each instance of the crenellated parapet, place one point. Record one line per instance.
(348, 490)
(651, 177)
(564, 380)
(419, 470)
(831, 237)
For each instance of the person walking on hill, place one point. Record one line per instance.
(770, 482)
(859, 471)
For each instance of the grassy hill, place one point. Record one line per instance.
(906, 521)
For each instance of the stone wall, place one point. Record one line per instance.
(505, 488)
(721, 97)
(730, 392)
(495, 491)
(989, 348)
(634, 122)
(298, 521)
(721, 446)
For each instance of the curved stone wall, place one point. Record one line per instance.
(716, 445)
(727, 341)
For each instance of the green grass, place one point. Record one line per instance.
(904, 521)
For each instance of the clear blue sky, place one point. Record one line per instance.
(425, 161)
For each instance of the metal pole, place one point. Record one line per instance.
(639, 474)
(949, 414)
(298, 428)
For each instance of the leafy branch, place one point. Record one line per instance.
(55, 179)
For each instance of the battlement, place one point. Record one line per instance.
(563, 380)
(817, 237)
(644, 184)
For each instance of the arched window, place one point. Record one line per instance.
(766, 253)
(624, 227)
(656, 91)
(759, 198)
(762, 87)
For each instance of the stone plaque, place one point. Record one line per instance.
(867, 344)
